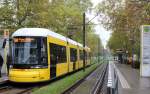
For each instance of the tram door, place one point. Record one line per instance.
(53, 69)
(53, 61)
(74, 66)
(73, 57)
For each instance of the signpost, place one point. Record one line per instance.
(145, 51)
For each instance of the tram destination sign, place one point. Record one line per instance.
(23, 39)
(145, 51)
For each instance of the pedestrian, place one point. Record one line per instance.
(8, 62)
(1, 64)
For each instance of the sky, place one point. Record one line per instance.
(100, 30)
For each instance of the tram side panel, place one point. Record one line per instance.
(58, 57)
(77, 61)
(81, 58)
(70, 64)
(73, 58)
(88, 59)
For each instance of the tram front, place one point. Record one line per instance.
(29, 59)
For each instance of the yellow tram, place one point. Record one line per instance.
(39, 54)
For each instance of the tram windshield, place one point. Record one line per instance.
(29, 51)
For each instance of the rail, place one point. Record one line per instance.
(75, 85)
(100, 82)
(112, 84)
(15, 88)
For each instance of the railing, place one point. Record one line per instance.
(112, 84)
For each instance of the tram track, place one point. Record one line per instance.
(14, 90)
(99, 71)
(8, 88)
(99, 87)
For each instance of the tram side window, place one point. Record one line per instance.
(81, 55)
(58, 53)
(73, 55)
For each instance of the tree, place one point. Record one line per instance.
(6, 17)
(57, 15)
(93, 41)
(124, 18)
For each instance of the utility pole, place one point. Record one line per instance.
(84, 42)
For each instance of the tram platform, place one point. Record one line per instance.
(130, 80)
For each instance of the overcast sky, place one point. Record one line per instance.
(100, 30)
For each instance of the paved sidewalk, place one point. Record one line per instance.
(136, 84)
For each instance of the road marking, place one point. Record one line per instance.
(122, 79)
(109, 84)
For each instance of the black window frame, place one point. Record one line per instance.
(81, 54)
(57, 54)
(73, 54)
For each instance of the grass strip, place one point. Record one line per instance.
(59, 86)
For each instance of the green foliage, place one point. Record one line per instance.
(57, 15)
(94, 39)
(124, 18)
(6, 14)
(119, 40)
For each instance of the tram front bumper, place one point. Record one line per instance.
(24, 76)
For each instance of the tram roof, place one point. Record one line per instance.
(72, 41)
(79, 44)
(42, 32)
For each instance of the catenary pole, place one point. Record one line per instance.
(84, 54)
